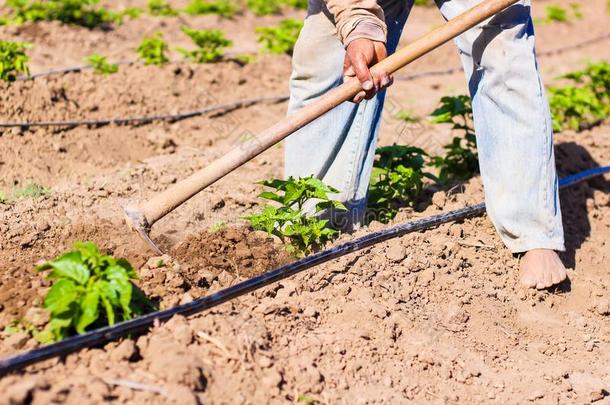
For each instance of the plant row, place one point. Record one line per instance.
(153, 50)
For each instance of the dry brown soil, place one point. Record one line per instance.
(432, 317)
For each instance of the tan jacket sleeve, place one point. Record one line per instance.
(358, 19)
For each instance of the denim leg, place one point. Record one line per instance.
(513, 127)
(339, 147)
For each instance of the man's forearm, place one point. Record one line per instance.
(358, 19)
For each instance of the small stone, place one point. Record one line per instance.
(536, 395)
(124, 351)
(439, 199)
(18, 340)
(36, 317)
(186, 298)
(310, 312)
(396, 252)
(603, 307)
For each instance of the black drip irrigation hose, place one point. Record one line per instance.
(224, 108)
(109, 333)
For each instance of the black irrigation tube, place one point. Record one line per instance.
(106, 334)
(75, 69)
(146, 119)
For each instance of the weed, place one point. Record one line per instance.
(407, 116)
(224, 8)
(299, 4)
(13, 60)
(88, 289)
(396, 179)
(152, 50)
(3, 199)
(289, 221)
(101, 65)
(218, 226)
(30, 190)
(461, 160)
(280, 39)
(77, 12)
(210, 45)
(423, 2)
(131, 12)
(161, 8)
(584, 103)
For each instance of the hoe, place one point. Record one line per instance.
(141, 218)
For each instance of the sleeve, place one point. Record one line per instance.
(358, 19)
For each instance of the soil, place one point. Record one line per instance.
(431, 317)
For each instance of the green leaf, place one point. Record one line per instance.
(70, 265)
(89, 305)
(61, 296)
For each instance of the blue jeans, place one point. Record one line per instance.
(511, 114)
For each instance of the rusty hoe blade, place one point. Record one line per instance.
(136, 221)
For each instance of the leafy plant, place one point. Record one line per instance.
(78, 12)
(289, 221)
(210, 45)
(396, 179)
(584, 103)
(152, 50)
(101, 65)
(556, 13)
(88, 289)
(300, 4)
(461, 159)
(224, 8)
(280, 39)
(407, 116)
(13, 60)
(161, 8)
(264, 7)
(423, 2)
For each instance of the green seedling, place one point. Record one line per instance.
(223, 8)
(131, 12)
(556, 13)
(584, 103)
(218, 226)
(407, 116)
(152, 50)
(461, 159)
(396, 180)
(29, 190)
(264, 7)
(77, 12)
(304, 232)
(2, 198)
(210, 45)
(100, 64)
(13, 60)
(161, 8)
(425, 3)
(280, 39)
(88, 290)
(298, 4)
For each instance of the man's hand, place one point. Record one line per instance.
(361, 54)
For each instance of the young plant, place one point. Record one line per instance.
(30, 190)
(78, 12)
(152, 50)
(556, 13)
(161, 8)
(89, 289)
(210, 45)
(13, 60)
(223, 8)
(396, 179)
(280, 39)
(298, 4)
(290, 222)
(100, 64)
(461, 159)
(264, 7)
(584, 103)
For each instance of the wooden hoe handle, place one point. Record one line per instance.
(166, 201)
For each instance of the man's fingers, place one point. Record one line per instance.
(363, 74)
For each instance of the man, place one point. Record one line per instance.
(342, 38)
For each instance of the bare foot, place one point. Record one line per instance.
(542, 268)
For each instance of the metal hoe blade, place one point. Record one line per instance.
(136, 221)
